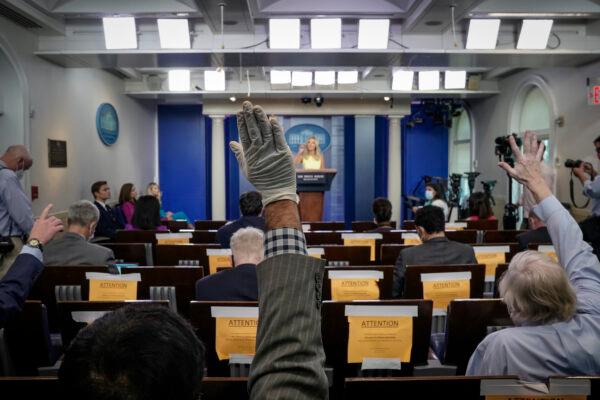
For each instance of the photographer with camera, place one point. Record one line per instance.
(591, 184)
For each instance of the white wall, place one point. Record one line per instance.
(64, 103)
(11, 120)
(566, 89)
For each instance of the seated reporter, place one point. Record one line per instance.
(147, 215)
(237, 283)
(382, 214)
(435, 250)
(480, 207)
(73, 246)
(538, 232)
(555, 308)
(16, 284)
(250, 206)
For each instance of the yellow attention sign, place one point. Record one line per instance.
(235, 336)
(536, 397)
(443, 292)
(111, 290)
(491, 261)
(413, 241)
(362, 242)
(218, 261)
(379, 337)
(173, 240)
(552, 255)
(349, 289)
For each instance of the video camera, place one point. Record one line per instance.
(573, 163)
(503, 149)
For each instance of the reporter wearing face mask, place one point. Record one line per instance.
(16, 217)
(435, 197)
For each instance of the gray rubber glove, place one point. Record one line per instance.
(264, 156)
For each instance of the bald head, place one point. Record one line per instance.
(17, 157)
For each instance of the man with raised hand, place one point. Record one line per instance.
(16, 284)
(289, 360)
(555, 308)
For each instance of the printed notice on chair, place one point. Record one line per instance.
(218, 258)
(380, 333)
(362, 239)
(173, 238)
(444, 287)
(235, 331)
(351, 285)
(109, 287)
(491, 256)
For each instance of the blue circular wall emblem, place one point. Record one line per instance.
(107, 124)
(299, 134)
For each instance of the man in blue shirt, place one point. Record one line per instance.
(16, 217)
(555, 307)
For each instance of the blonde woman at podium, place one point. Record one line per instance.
(309, 155)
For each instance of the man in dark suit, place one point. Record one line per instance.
(237, 283)
(250, 207)
(108, 222)
(73, 247)
(382, 214)
(435, 250)
(16, 284)
(537, 234)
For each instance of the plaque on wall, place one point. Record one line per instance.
(57, 153)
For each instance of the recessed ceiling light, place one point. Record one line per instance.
(483, 34)
(214, 80)
(429, 80)
(347, 77)
(174, 33)
(232, 99)
(373, 33)
(325, 78)
(284, 33)
(534, 34)
(301, 78)
(179, 80)
(386, 98)
(455, 79)
(279, 77)
(119, 33)
(402, 80)
(326, 33)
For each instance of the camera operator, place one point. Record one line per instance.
(591, 184)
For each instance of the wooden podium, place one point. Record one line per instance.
(312, 185)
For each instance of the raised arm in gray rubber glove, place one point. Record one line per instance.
(264, 156)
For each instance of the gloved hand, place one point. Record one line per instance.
(264, 155)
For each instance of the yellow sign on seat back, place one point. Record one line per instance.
(411, 238)
(444, 287)
(348, 285)
(173, 238)
(218, 258)
(235, 332)
(362, 239)
(491, 256)
(109, 287)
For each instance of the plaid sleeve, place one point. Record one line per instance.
(284, 241)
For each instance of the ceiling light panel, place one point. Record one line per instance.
(429, 80)
(174, 33)
(280, 77)
(214, 80)
(326, 33)
(119, 33)
(534, 34)
(325, 78)
(483, 34)
(455, 79)
(301, 78)
(179, 80)
(347, 77)
(373, 33)
(403, 80)
(284, 33)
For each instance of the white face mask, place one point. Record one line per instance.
(20, 172)
(428, 194)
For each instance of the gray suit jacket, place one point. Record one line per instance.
(73, 249)
(436, 251)
(289, 360)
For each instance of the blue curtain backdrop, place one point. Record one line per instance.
(184, 163)
(424, 152)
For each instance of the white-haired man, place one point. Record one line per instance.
(73, 247)
(238, 283)
(556, 310)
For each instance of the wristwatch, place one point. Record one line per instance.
(35, 244)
